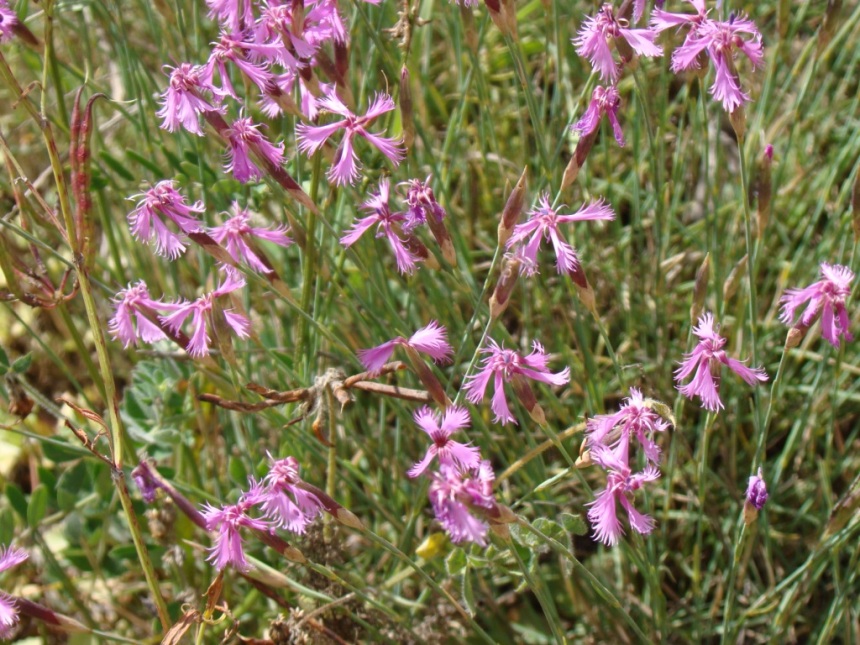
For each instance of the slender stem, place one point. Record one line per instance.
(703, 466)
(534, 114)
(539, 591)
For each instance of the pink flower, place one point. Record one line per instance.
(757, 491)
(422, 204)
(620, 485)
(505, 365)
(345, 170)
(163, 200)
(231, 48)
(8, 20)
(183, 101)
(9, 557)
(450, 453)
(720, 40)
(826, 299)
(228, 519)
(455, 494)
(132, 304)
(237, 235)
(634, 419)
(244, 138)
(596, 34)
(284, 501)
(604, 101)
(386, 224)
(543, 224)
(431, 340)
(705, 361)
(202, 312)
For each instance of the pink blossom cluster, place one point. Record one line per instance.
(281, 499)
(278, 48)
(719, 41)
(609, 437)
(399, 227)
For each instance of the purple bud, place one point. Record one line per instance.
(757, 491)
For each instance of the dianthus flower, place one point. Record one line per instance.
(163, 200)
(705, 360)
(455, 494)
(634, 419)
(721, 40)
(604, 101)
(386, 223)
(506, 365)
(132, 306)
(243, 138)
(183, 101)
(202, 312)
(543, 224)
(826, 299)
(423, 207)
(757, 491)
(620, 485)
(230, 47)
(237, 234)
(345, 169)
(9, 557)
(8, 20)
(284, 500)
(431, 340)
(440, 428)
(228, 520)
(598, 32)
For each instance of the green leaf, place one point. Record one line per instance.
(237, 470)
(69, 486)
(38, 506)
(468, 593)
(524, 537)
(16, 499)
(455, 562)
(57, 453)
(7, 525)
(22, 364)
(573, 523)
(4, 360)
(116, 165)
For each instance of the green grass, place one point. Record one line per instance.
(481, 116)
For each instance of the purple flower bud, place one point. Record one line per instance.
(757, 491)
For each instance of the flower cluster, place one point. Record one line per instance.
(9, 557)
(609, 438)
(134, 305)
(278, 48)
(719, 41)
(399, 228)
(285, 502)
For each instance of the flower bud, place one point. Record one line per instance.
(733, 281)
(763, 189)
(513, 209)
(502, 293)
